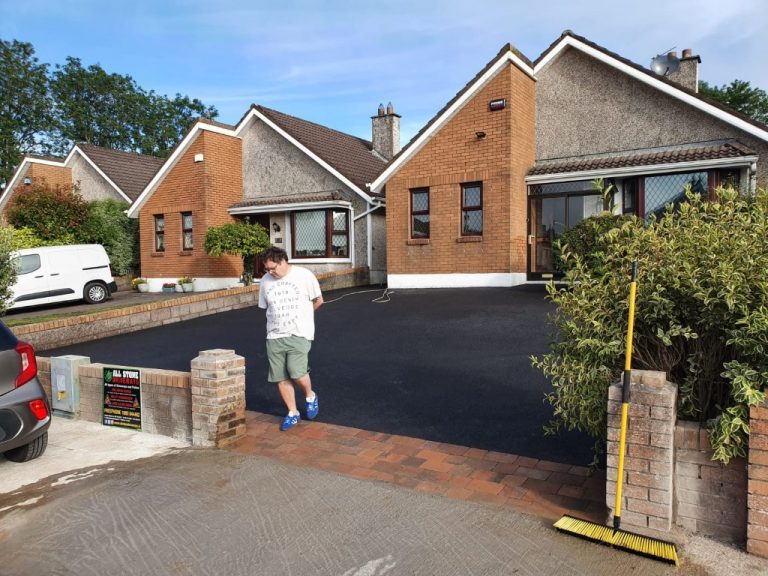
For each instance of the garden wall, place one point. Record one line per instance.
(670, 479)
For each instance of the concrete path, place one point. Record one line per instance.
(188, 511)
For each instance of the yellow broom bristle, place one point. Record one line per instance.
(643, 545)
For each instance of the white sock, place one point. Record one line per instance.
(311, 398)
(293, 412)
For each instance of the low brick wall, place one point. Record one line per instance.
(670, 477)
(65, 331)
(204, 407)
(710, 498)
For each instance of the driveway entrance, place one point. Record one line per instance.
(447, 365)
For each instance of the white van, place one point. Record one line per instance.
(52, 274)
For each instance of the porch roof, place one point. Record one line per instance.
(288, 202)
(678, 154)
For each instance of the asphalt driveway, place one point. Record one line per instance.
(450, 365)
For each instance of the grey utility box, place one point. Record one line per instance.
(65, 383)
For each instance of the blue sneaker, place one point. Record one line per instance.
(312, 409)
(289, 422)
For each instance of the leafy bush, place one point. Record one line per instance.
(7, 272)
(701, 316)
(586, 239)
(53, 214)
(238, 239)
(106, 223)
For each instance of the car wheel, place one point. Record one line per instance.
(29, 451)
(95, 292)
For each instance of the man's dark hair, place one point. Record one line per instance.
(274, 254)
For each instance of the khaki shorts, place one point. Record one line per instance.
(288, 358)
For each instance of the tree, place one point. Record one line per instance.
(112, 111)
(107, 224)
(25, 119)
(7, 272)
(54, 214)
(740, 96)
(701, 317)
(238, 239)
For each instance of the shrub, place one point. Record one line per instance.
(238, 239)
(186, 280)
(586, 239)
(169, 285)
(701, 316)
(136, 281)
(106, 223)
(7, 271)
(54, 215)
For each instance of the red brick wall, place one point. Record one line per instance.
(757, 491)
(54, 176)
(204, 188)
(454, 156)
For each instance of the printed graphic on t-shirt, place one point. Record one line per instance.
(285, 302)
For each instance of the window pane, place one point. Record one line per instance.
(26, 264)
(472, 197)
(340, 246)
(159, 223)
(188, 241)
(187, 221)
(160, 242)
(310, 234)
(420, 202)
(420, 227)
(670, 189)
(473, 222)
(340, 221)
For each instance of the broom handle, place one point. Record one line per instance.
(625, 397)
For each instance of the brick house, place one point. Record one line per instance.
(99, 173)
(305, 183)
(478, 196)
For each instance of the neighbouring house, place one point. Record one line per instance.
(99, 174)
(478, 196)
(305, 183)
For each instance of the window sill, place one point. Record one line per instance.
(319, 260)
(462, 239)
(417, 242)
(185, 253)
(158, 255)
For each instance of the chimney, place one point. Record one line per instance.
(687, 74)
(386, 132)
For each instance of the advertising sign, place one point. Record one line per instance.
(122, 398)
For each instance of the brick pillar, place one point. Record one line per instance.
(648, 464)
(757, 482)
(218, 398)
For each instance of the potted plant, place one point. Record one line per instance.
(187, 284)
(169, 287)
(140, 284)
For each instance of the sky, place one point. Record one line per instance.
(334, 61)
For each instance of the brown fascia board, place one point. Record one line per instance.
(650, 73)
(504, 50)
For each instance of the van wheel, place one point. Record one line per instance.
(28, 451)
(95, 292)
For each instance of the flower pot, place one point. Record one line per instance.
(143, 287)
(188, 287)
(169, 290)
(179, 288)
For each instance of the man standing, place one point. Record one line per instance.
(290, 294)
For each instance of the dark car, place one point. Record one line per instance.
(25, 414)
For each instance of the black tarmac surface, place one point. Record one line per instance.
(449, 365)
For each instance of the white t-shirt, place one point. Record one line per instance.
(288, 302)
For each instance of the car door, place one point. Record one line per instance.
(65, 273)
(31, 286)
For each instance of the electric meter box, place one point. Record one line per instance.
(65, 383)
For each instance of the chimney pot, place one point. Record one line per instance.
(672, 55)
(390, 109)
(687, 53)
(381, 109)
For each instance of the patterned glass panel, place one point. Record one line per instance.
(670, 189)
(340, 246)
(159, 223)
(420, 202)
(472, 197)
(340, 221)
(420, 227)
(310, 234)
(187, 220)
(188, 242)
(473, 222)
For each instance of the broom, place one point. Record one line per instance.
(643, 545)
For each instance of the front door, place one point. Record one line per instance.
(547, 222)
(258, 265)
